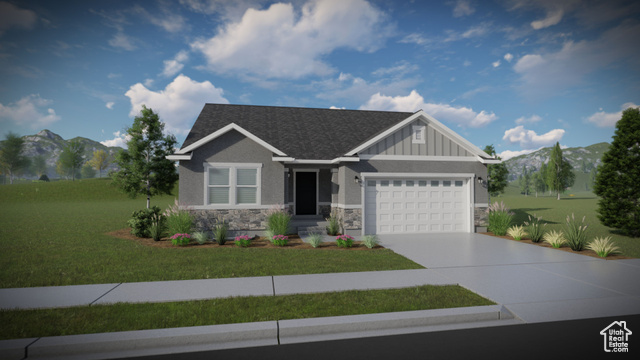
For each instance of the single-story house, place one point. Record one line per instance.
(382, 172)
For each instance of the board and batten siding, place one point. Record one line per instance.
(400, 143)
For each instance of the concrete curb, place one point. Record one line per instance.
(214, 337)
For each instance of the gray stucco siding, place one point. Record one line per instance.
(232, 147)
(352, 191)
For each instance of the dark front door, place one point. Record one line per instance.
(306, 193)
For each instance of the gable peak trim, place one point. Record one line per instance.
(226, 129)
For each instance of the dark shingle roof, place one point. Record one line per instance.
(302, 133)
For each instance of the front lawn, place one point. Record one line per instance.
(55, 234)
(125, 317)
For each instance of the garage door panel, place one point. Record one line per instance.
(416, 205)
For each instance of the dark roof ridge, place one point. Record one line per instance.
(312, 108)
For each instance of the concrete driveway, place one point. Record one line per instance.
(537, 284)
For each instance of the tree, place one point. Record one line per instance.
(593, 174)
(99, 161)
(87, 171)
(496, 173)
(525, 181)
(560, 175)
(39, 166)
(617, 182)
(144, 168)
(71, 158)
(539, 180)
(11, 156)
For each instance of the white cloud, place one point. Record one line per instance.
(508, 57)
(604, 119)
(554, 10)
(402, 68)
(12, 16)
(463, 116)
(110, 105)
(463, 8)
(531, 119)
(546, 74)
(496, 63)
(528, 139)
(120, 139)
(31, 111)
(178, 104)
(168, 20)
(175, 65)
(508, 154)
(280, 42)
(122, 41)
(415, 38)
(359, 90)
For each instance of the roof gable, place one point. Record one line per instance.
(431, 122)
(300, 133)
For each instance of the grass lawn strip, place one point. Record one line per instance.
(125, 317)
(55, 234)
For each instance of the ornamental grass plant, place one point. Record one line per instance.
(516, 232)
(315, 240)
(200, 237)
(554, 238)
(576, 234)
(499, 218)
(534, 228)
(220, 232)
(603, 246)
(370, 241)
(278, 222)
(333, 226)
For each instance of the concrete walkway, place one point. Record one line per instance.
(185, 290)
(537, 284)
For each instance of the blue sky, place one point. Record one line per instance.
(518, 74)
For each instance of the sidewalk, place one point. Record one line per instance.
(186, 290)
(167, 341)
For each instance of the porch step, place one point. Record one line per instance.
(308, 230)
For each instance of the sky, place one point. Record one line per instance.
(517, 74)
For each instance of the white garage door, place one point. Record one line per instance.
(416, 205)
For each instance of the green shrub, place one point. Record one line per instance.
(220, 232)
(278, 222)
(344, 241)
(499, 218)
(370, 241)
(200, 237)
(315, 240)
(280, 240)
(603, 246)
(141, 221)
(534, 228)
(333, 228)
(554, 238)
(576, 234)
(516, 232)
(44, 178)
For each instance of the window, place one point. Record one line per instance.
(409, 183)
(232, 184)
(459, 183)
(418, 134)
(397, 183)
(446, 183)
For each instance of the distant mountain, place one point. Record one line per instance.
(583, 159)
(49, 145)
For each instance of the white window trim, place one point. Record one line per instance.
(418, 129)
(233, 167)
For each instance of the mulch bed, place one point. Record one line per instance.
(564, 248)
(294, 243)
